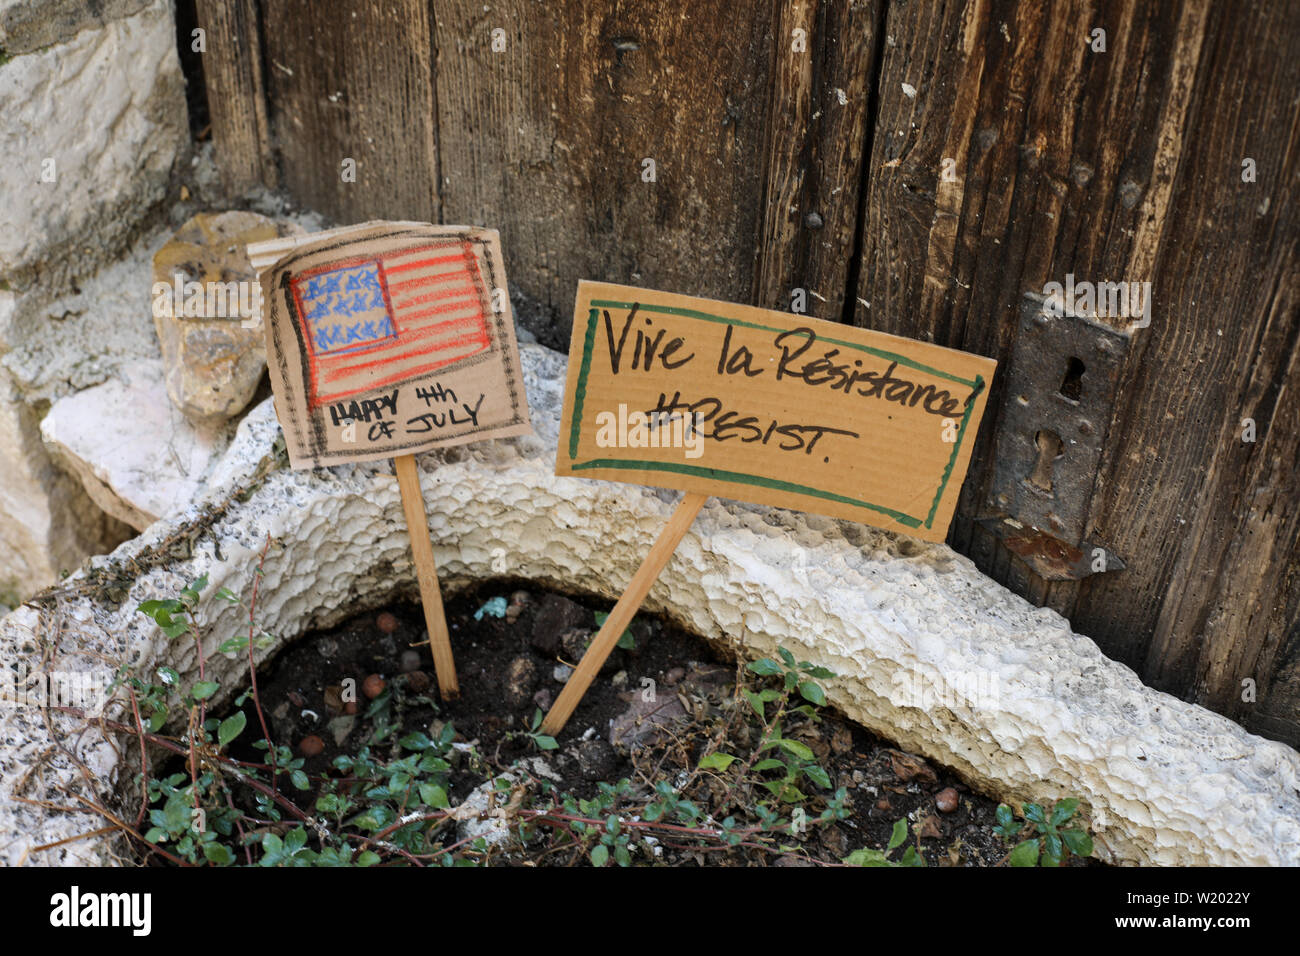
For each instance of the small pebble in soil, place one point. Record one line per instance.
(418, 681)
(327, 647)
(296, 699)
(543, 699)
(946, 800)
(562, 672)
(311, 746)
(554, 616)
(883, 804)
(410, 661)
(386, 622)
(517, 602)
(373, 686)
(334, 698)
(674, 676)
(521, 678)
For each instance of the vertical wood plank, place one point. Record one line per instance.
(232, 71)
(353, 79)
(1118, 165)
(546, 138)
(817, 127)
(1222, 349)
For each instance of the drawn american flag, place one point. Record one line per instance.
(371, 322)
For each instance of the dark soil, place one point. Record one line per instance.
(506, 671)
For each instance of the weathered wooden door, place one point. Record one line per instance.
(917, 167)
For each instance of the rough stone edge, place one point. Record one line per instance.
(1165, 782)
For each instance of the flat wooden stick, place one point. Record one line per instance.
(619, 618)
(426, 572)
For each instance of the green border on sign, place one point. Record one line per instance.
(580, 394)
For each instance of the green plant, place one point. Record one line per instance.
(625, 640)
(534, 733)
(794, 759)
(868, 857)
(1053, 842)
(225, 811)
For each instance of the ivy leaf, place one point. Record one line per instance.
(756, 702)
(1052, 847)
(818, 776)
(599, 855)
(899, 834)
(231, 728)
(546, 742)
(204, 689)
(1034, 813)
(299, 780)
(1063, 810)
(1026, 854)
(434, 796)
(1078, 841)
(812, 692)
(865, 857)
(795, 748)
(177, 812)
(190, 594)
(912, 858)
(765, 667)
(234, 645)
(717, 761)
(416, 741)
(218, 853)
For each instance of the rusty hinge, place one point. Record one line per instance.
(1061, 386)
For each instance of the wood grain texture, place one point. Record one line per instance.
(1223, 347)
(818, 121)
(232, 71)
(1119, 165)
(546, 140)
(351, 79)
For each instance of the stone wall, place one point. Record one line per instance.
(94, 128)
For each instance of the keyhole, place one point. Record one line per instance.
(1050, 448)
(1072, 385)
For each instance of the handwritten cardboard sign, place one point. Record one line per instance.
(723, 399)
(389, 339)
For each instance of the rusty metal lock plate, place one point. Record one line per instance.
(1061, 386)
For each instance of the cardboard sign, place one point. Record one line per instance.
(723, 399)
(389, 339)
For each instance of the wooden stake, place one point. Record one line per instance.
(623, 612)
(426, 572)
